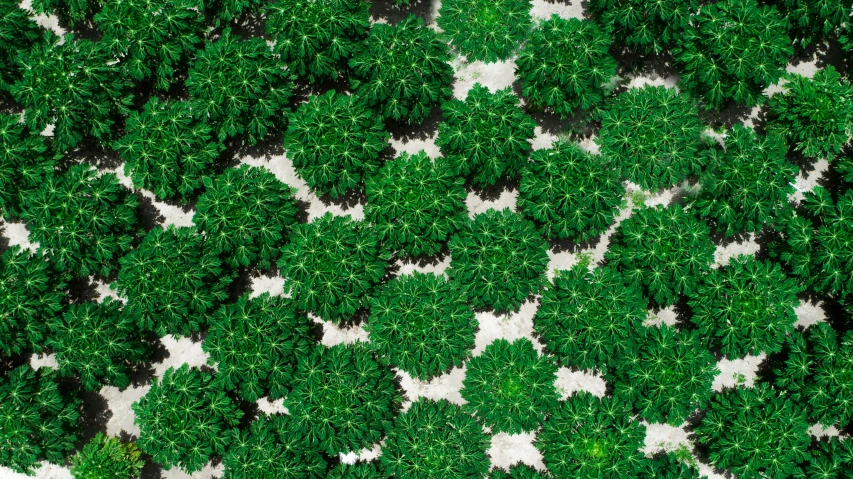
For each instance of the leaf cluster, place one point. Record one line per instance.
(402, 70)
(569, 193)
(334, 141)
(25, 162)
(830, 459)
(359, 470)
(565, 65)
(223, 12)
(647, 27)
(70, 12)
(517, 471)
(415, 203)
(106, 457)
(815, 21)
(485, 30)
(486, 136)
(499, 259)
(669, 466)
(18, 33)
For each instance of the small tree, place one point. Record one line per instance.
(485, 30)
(402, 70)
(269, 450)
(653, 136)
(588, 437)
(184, 419)
(746, 307)
(256, 343)
(25, 162)
(435, 439)
(99, 342)
(168, 151)
(243, 87)
(317, 38)
(37, 422)
(334, 142)
(342, 400)
(590, 319)
(569, 193)
(331, 264)
(565, 65)
(486, 137)
(664, 248)
(755, 433)
(421, 324)
(18, 33)
(415, 203)
(733, 51)
(647, 27)
(499, 259)
(83, 219)
(815, 114)
(245, 214)
(105, 457)
(815, 21)
(172, 281)
(746, 183)
(510, 388)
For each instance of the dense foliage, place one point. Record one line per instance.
(25, 163)
(814, 21)
(106, 457)
(415, 203)
(255, 344)
(18, 33)
(343, 400)
(830, 459)
(733, 51)
(316, 38)
(590, 319)
(485, 30)
(647, 27)
(518, 471)
(71, 12)
(486, 137)
(37, 421)
(653, 136)
(402, 70)
(499, 259)
(565, 65)
(334, 141)
(330, 264)
(184, 419)
(421, 324)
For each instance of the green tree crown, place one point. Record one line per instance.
(25, 162)
(106, 457)
(223, 12)
(648, 27)
(815, 21)
(830, 459)
(70, 12)
(359, 470)
(485, 30)
(18, 33)
(517, 471)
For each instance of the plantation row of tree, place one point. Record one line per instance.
(172, 86)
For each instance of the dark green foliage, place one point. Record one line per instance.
(402, 70)
(268, 450)
(653, 135)
(84, 220)
(590, 438)
(31, 294)
(815, 21)
(647, 27)
(814, 114)
(421, 324)
(256, 343)
(668, 376)
(97, 342)
(569, 193)
(435, 439)
(669, 466)
(168, 151)
(37, 422)
(222, 12)
(830, 459)
(509, 387)
(343, 400)
(172, 280)
(415, 203)
(590, 319)
(75, 87)
(18, 33)
(317, 37)
(819, 374)
(486, 137)
(485, 30)
(565, 65)
(518, 471)
(359, 470)
(106, 457)
(499, 259)
(330, 264)
(245, 214)
(747, 182)
(25, 163)
(184, 419)
(664, 248)
(242, 86)
(71, 12)
(755, 433)
(153, 39)
(746, 307)
(733, 51)
(334, 142)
